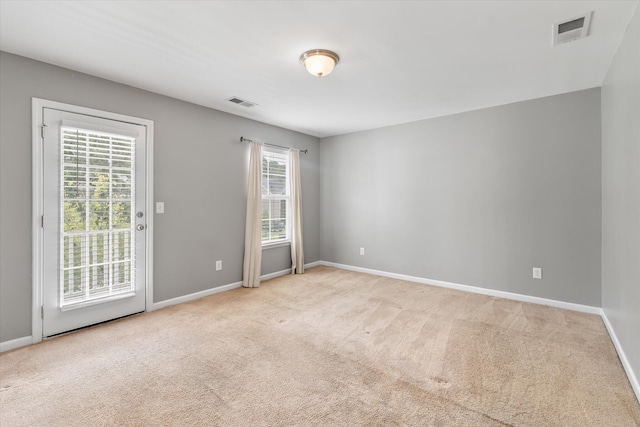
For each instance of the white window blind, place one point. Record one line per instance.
(97, 247)
(275, 196)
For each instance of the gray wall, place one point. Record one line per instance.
(621, 194)
(477, 198)
(200, 174)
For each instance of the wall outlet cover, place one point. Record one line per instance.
(537, 273)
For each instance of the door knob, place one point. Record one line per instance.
(139, 227)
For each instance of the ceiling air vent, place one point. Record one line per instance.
(573, 29)
(242, 102)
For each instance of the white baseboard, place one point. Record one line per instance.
(313, 264)
(223, 288)
(473, 289)
(17, 343)
(195, 295)
(275, 274)
(633, 379)
(288, 271)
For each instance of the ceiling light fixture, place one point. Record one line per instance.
(319, 62)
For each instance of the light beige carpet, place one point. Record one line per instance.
(330, 347)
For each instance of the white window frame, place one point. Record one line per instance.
(280, 242)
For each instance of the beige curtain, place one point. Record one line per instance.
(297, 253)
(252, 231)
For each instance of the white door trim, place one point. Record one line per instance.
(38, 206)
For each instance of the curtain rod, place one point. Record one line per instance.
(243, 139)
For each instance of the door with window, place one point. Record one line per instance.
(94, 220)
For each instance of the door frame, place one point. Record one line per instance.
(37, 177)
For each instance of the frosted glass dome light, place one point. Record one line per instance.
(319, 62)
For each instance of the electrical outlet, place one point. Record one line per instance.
(537, 273)
(361, 251)
(218, 265)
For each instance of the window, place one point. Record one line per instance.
(97, 196)
(275, 196)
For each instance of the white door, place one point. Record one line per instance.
(94, 220)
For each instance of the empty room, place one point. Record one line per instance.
(320, 213)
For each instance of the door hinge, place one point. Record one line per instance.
(42, 311)
(42, 130)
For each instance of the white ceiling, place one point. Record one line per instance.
(400, 61)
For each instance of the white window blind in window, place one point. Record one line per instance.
(97, 208)
(275, 196)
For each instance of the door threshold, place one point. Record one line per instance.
(90, 326)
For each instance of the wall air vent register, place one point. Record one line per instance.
(242, 102)
(571, 30)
